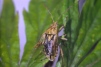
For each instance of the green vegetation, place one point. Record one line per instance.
(83, 30)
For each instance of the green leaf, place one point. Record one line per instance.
(82, 30)
(88, 33)
(9, 43)
(93, 59)
(37, 20)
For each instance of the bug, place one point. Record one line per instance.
(49, 40)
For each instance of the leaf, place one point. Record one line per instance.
(82, 30)
(71, 30)
(9, 43)
(88, 32)
(37, 20)
(93, 59)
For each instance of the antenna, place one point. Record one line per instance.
(63, 13)
(59, 16)
(49, 13)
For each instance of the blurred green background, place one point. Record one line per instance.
(83, 30)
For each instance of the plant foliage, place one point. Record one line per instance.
(9, 41)
(83, 31)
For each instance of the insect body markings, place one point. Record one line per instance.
(49, 40)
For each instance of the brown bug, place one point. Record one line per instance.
(49, 40)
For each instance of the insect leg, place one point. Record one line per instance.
(61, 33)
(38, 44)
(61, 28)
(63, 37)
(61, 53)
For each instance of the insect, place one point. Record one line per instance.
(49, 40)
